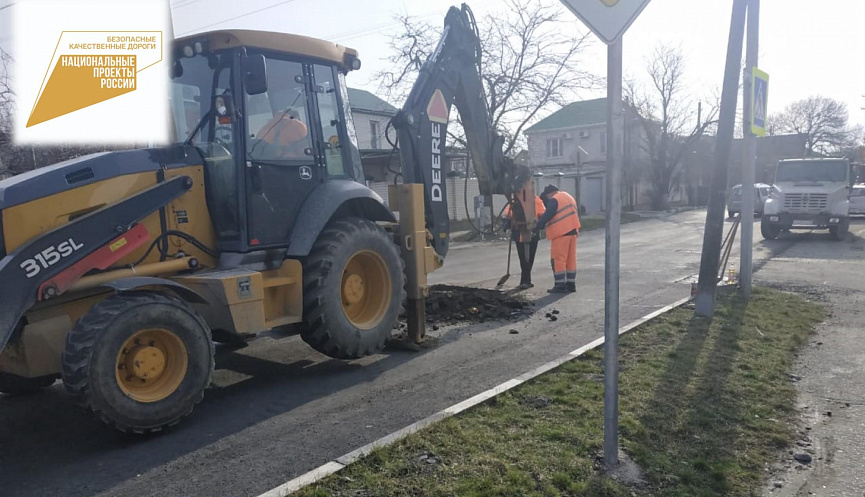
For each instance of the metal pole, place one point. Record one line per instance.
(611, 261)
(749, 151)
(704, 304)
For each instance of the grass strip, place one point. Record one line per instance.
(589, 223)
(704, 406)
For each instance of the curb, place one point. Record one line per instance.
(341, 462)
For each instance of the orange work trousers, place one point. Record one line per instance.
(563, 251)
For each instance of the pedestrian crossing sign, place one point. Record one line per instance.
(759, 101)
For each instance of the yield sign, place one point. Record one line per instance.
(609, 19)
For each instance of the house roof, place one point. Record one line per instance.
(364, 101)
(584, 113)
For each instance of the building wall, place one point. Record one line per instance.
(592, 189)
(457, 193)
(362, 126)
(593, 163)
(570, 139)
(593, 142)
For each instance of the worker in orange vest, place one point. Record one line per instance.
(526, 249)
(562, 222)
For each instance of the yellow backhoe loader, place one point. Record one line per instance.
(119, 271)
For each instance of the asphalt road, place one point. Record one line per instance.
(278, 409)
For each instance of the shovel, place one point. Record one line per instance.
(508, 274)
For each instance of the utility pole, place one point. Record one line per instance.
(611, 259)
(749, 151)
(714, 232)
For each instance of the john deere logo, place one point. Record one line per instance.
(610, 3)
(305, 172)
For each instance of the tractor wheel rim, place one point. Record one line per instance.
(151, 364)
(365, 290)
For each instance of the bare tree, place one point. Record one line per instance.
(669, 121)
(6, 111)
(530, 65)
(824, 122)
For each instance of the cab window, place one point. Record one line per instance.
(202, 112)
(277, 120)
(329, 116)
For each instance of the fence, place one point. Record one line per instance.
(457, 193)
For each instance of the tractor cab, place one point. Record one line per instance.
(268, 112)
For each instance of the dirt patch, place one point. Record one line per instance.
(457, 304)
(809, 292)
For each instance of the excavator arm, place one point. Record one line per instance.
(452, 76)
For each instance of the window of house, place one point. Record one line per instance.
(554, 147)
(603, 142)
(373, 134)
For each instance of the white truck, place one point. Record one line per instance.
(809, 194)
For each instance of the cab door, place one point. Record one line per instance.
(331, 123)
(281, 164)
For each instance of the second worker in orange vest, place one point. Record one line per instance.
(525, 248)
(562, 222)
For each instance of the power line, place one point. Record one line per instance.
(237, 17)
(7, 6)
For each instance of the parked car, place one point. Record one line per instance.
(734, 199)
(857, 200)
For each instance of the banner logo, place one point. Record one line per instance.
(92, 72)
(97, 66)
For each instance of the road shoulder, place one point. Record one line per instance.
(829, 373)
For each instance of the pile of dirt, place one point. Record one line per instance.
(448, 304)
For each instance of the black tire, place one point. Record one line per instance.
(839, 233)
(18, 385)
(769, 231)
(327, 327)
(93, 348)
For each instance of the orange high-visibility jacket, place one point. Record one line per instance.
(566, 218)
(539, 208)
(539, 211)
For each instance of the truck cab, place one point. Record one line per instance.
(809, 194)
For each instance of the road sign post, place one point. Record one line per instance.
(609, 19)
(611, 260)
(755, 93)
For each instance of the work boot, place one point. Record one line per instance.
(558, 288)
(525, 286)
(572, 287)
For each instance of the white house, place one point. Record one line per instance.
(371, 115)
(568, 148)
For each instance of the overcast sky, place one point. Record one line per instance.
(808, 47)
